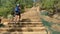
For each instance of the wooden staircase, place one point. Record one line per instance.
(24, 27)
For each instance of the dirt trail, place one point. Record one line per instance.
(32, 15)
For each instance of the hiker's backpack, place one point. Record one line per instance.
(17, 9)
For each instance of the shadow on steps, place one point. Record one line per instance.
(25, 20)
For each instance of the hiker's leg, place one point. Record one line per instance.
(19, 17)
(14, 19)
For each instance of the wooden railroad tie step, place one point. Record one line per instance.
(24, 29)
(25, 24)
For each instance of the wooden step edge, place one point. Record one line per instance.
(28, 22)
(25, 28)
(40, 32)
(18, 26)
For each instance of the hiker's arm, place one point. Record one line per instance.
(20, 8)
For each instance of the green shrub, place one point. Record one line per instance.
(50, 5)
(6, 6)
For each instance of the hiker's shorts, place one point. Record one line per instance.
(17, 13)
